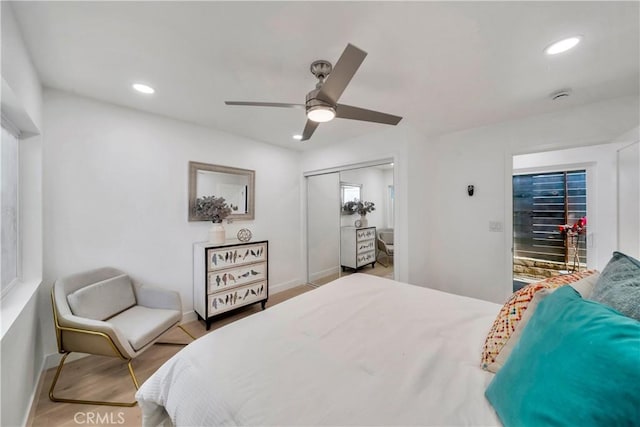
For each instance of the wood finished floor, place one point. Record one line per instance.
(107, 378)
(378, 270)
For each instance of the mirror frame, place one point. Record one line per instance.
(194, 167)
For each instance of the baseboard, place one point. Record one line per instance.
(280, 287)
(324, 273)
(52, 360)
(189, 316)
(33, 401)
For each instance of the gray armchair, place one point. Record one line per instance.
(384, 242)
(103, 312)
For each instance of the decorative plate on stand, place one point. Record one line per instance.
(244, 235)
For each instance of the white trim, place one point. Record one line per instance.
(350, 167)
(8, 288)
(281, 287)
(13, 303)
(10, 126)
(590, 169)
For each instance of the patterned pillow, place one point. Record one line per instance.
(512, 311)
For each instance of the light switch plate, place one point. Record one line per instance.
(495, 226)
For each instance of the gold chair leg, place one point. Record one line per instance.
(176, 343)
(378, 259)
(186, 332)
(53, 398)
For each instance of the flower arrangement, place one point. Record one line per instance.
(362, 208)
(579, 227)
(212, 208)
(572, 234)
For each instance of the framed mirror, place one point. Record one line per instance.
(237, 186)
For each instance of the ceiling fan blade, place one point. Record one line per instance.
(342, 73)
(309, 128)
(264, 104)
(356, 113)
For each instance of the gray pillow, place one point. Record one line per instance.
(619, 285)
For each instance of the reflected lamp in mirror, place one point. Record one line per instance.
(236, 186)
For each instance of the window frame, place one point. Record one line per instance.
(13, 131)
(592, 195)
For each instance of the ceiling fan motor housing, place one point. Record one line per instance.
(313, 100)
(314, 103)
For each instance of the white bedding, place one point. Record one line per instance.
(358, 351)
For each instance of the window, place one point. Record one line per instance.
(9, 207)
(541, 204)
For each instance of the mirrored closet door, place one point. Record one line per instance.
(323, 227)
(350, 222)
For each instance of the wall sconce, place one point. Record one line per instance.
(470, 190)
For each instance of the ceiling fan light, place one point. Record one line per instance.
(321, 113)
(562, 45)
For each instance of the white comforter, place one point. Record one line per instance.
(359, 351)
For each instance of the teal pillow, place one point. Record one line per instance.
(619, 285)
(577, 364)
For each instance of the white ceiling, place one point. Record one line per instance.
(443, 66)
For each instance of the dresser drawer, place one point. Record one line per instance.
(365, 258)
(365, 234)
(366, 246)
(236, 276)
(221, 258)
(236, 297)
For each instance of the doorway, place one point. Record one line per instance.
(549, 224)
(329, 223)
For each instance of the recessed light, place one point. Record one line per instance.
(297, 137)
(142, 88)
(562, 45)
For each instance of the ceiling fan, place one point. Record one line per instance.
(321, 104)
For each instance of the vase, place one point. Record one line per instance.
(216, 233)
(364, 222)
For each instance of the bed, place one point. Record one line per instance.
(361, 350)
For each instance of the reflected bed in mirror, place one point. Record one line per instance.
(234, 184)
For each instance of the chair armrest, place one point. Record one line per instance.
(152, 297)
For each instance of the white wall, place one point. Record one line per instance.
(462, 256)
(116, 193)
(600, 161)
(21, 351)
